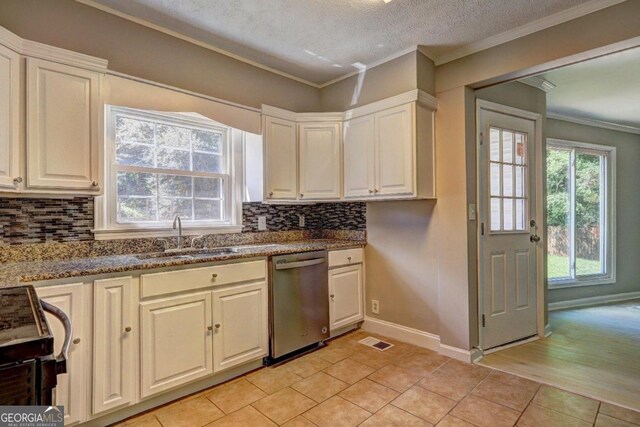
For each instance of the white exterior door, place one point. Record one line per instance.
(176, 344)
(240, 321)
(507, 214)
(281, 159)
(70, 391)
(359, 173)
(9, 115)
(320, 163)
(63, 113)
(345, 296)
(394, 149)
(114, 370)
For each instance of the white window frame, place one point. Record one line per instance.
(607, 211)
(106, 225)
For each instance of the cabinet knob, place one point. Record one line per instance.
(94, 183)
(213, 276)
(370, 191)
(375, 191)
(217, 325)
(332, 296)
(127, 329)
(301, 195)
(270, 193)
(349, 258)
(17, 180)
(76, 341)
(210, 328)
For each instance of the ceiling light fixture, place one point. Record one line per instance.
(387, 1)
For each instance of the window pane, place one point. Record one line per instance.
(173, 159)
(134, 154)
(133, 130)
(507, 214)
(168, 208)
(588, 217)
(174, 186)
(204, 162)
(208, 209)
(520, 191)
(507, 147)
(173, 136)
(495, 179)
(208, 141)
(136, 184)
(207, 188)
(495, 214)
(134, 209)
(494, 149)
(520, 148)
(507, 181)
(521, 215)
(558, 213)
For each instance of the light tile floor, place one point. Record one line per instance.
(348, 384)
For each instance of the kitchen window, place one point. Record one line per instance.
(580, 213)
(164, 164)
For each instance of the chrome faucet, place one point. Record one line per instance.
(177, 221)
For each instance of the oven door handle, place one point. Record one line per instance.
(299, 264)
(61, 359)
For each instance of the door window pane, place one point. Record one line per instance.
(496, 211)
(507, 147)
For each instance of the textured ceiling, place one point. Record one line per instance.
(320, 40)
(605, 89)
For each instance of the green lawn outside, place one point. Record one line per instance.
(558, 266)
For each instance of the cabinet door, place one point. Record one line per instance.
(345, 296)
(63, 113)
(241, 328)
(359, 178)
(71, 389)
(320, 163)
(113, 344)
(175, 341)
(281, 159)
(9, 115)
(395, 147)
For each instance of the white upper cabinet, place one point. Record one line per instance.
(320, 163)
(359, 175)
(394, 151)
(63, 127)
(281, 159)
(10, 179)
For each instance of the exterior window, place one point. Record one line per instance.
(580, 219)
(166, 164)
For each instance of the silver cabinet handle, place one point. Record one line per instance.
(127, 329)
(17, 180)
(76, 341)
(217, 325)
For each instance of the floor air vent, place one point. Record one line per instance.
(376, 343)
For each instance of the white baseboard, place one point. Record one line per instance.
(402, 333)
(583, 302)
(547, 330)
(419, 338)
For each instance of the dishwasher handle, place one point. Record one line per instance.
(299, 264)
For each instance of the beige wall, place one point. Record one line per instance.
(627, 206)
(410, 71)
(139, 51)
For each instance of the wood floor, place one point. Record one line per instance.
(593, 351)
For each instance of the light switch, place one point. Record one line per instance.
(472, 212)
(262, 223)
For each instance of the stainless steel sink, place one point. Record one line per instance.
(187, 253)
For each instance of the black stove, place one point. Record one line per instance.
(28, 367)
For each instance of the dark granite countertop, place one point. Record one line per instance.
(12, 274)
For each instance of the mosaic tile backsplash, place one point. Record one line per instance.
(27, 221)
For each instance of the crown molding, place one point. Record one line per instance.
(526, 29)
(594, 123)
(51, 53)
(539, 83)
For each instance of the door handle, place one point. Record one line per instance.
(534, 238)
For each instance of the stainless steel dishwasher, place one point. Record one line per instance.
(299, 302)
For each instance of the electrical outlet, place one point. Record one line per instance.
(262, 223)
(375, 306)
(301, 220)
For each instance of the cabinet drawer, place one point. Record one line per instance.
(155, 284)
(346, 257)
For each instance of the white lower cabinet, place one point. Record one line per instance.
(345, 296)
(176, 342)
(70, 391)
(114, 346)
(240, 320)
